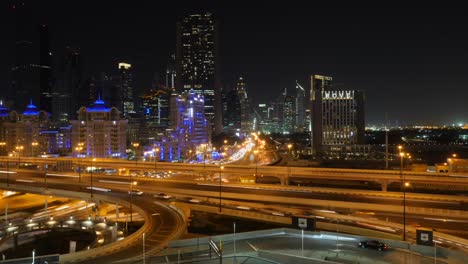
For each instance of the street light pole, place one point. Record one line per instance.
(92, 169)
(8, 173)
(136, 145)
(156, 151)
(256, 162)
(403, 186)
(220, 186)
(131, 200)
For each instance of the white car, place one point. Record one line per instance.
(194, 201)
(163, 196)
(135, 192)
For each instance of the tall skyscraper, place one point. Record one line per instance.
(300, 111)
(289, 114)
(171, 72)
(45, 70)
(69, 94)
(125, 86)
(337, 117)
(155, 108)
(318, 84)
(197, 62)
(245, 109)
(25, 83)
(232, 114)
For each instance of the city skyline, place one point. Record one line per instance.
(401, 59)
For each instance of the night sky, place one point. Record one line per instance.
(411, 61)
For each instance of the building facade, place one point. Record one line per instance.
(189, 128)
(197, 62)
(100, 132)
(124, 83)
(20, 132)
(338, 117)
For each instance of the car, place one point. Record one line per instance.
(194, 201)
(374, 244)
(135, 192)
(162, 195)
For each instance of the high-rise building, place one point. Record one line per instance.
(197, 62)
(31, 72)
(289, 114)
(155, 107)
(245, 109)
(300, 111)
(318, 83)
(189, 127)
(100, 132)
(232, 114)
(337, 117)
(68, 93)
(125, 87)
(171, 72)
(45, 70)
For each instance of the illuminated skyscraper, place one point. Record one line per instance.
(300, 112)
(289, 114)
(318, 83)
(245, 109)
(125, 88)
(196, 62)
(337, 117)
(156, 107)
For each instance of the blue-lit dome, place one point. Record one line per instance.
(99, 106)
(31, 110)
(3, 109)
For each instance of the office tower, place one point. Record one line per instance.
(171, 72)
(189, 127)
(197, 62)
(289, 114)
(318, 84)
(100, 132)
(45, 70)
(69, 93)
(109, 91)
(125, 86)
(245, 111)
(25, 84)
(155, 108)
(337, 117)
(232, 115)
(300, 112)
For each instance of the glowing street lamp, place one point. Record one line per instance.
(403, 187)
(33, 146)
(19, 149)
(78, 149)
(256, 161)
(136, 145)
(132, 183)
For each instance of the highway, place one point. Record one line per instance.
(162, 224)
(184, 190)
(284, 174)
(373, 204)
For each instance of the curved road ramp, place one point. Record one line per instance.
(162, 224)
